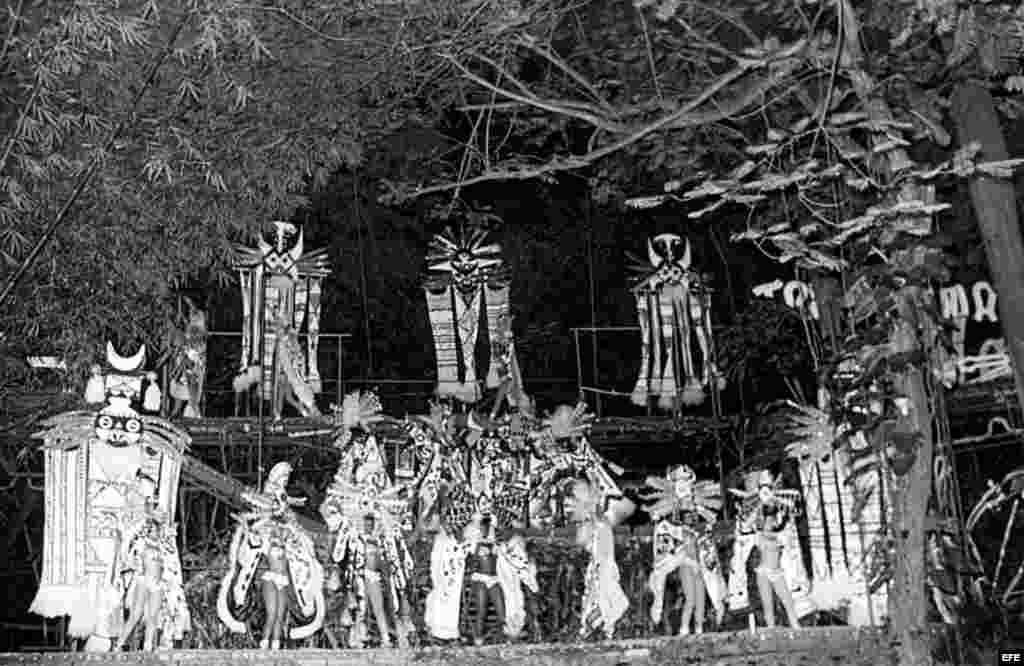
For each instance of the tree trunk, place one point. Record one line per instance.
(908, 592)
(908, 599)
(995, 206)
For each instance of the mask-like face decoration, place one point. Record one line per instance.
(670, 254)
(281, 246)
(118, 423)
(465, 270)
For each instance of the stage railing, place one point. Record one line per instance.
(223, 361)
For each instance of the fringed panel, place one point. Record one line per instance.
(667, 389)
(496, 302)
(65, 510)
(816, 531)
(641, 391)
(440, 308)
(832, 514)
(313, 335)
(246, 280)
(655, 336)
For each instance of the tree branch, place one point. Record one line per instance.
(686, 116)
(559, 62)
(587, 113)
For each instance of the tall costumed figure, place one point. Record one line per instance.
(466, 277)
(673, 308)
(188, 366)
(685, 511)
(768, 512)
(367, 512)
(281, 286)
(111, 492)
(271, 549)
(483, 490)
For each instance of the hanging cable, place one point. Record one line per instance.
(362, 275)
(593, 301)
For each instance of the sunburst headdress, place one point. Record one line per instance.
(680, 492)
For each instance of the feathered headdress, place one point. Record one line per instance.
(680, 491)
(359, 409)
(769, 494)
(814, 433)
(569, 422)
(565, 422)
(353, 502)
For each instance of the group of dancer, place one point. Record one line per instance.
(478, 488)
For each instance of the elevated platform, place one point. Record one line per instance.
(609, 429)
(781, 647)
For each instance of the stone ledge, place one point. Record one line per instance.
(803, 647)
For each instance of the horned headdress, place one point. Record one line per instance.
(281, 284)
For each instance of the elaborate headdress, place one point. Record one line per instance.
(680, 491)
(769, 493)
(358, 409)
(814, 433)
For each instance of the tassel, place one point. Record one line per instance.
(246, 280)
(313, 336)
(246, 379)
(152, 399)
(654, 381)
(499, 331)
(442, 324)
(468, 392)
(693, 393)
(95, 388)
(516, 393)
(641, 391)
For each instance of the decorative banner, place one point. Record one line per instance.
(978, 343)
(673, 309)
(281, 284)
(844, 518)
(979, 347)
(466, 278)
(795, 293)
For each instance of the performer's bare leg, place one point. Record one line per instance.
(688, 578)
(135, 610)
(270, 599)
(771, 582)
(152, 609)
(375, 596)
(403, 627)
(700, 599)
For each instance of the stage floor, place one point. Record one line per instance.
(781, 647)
